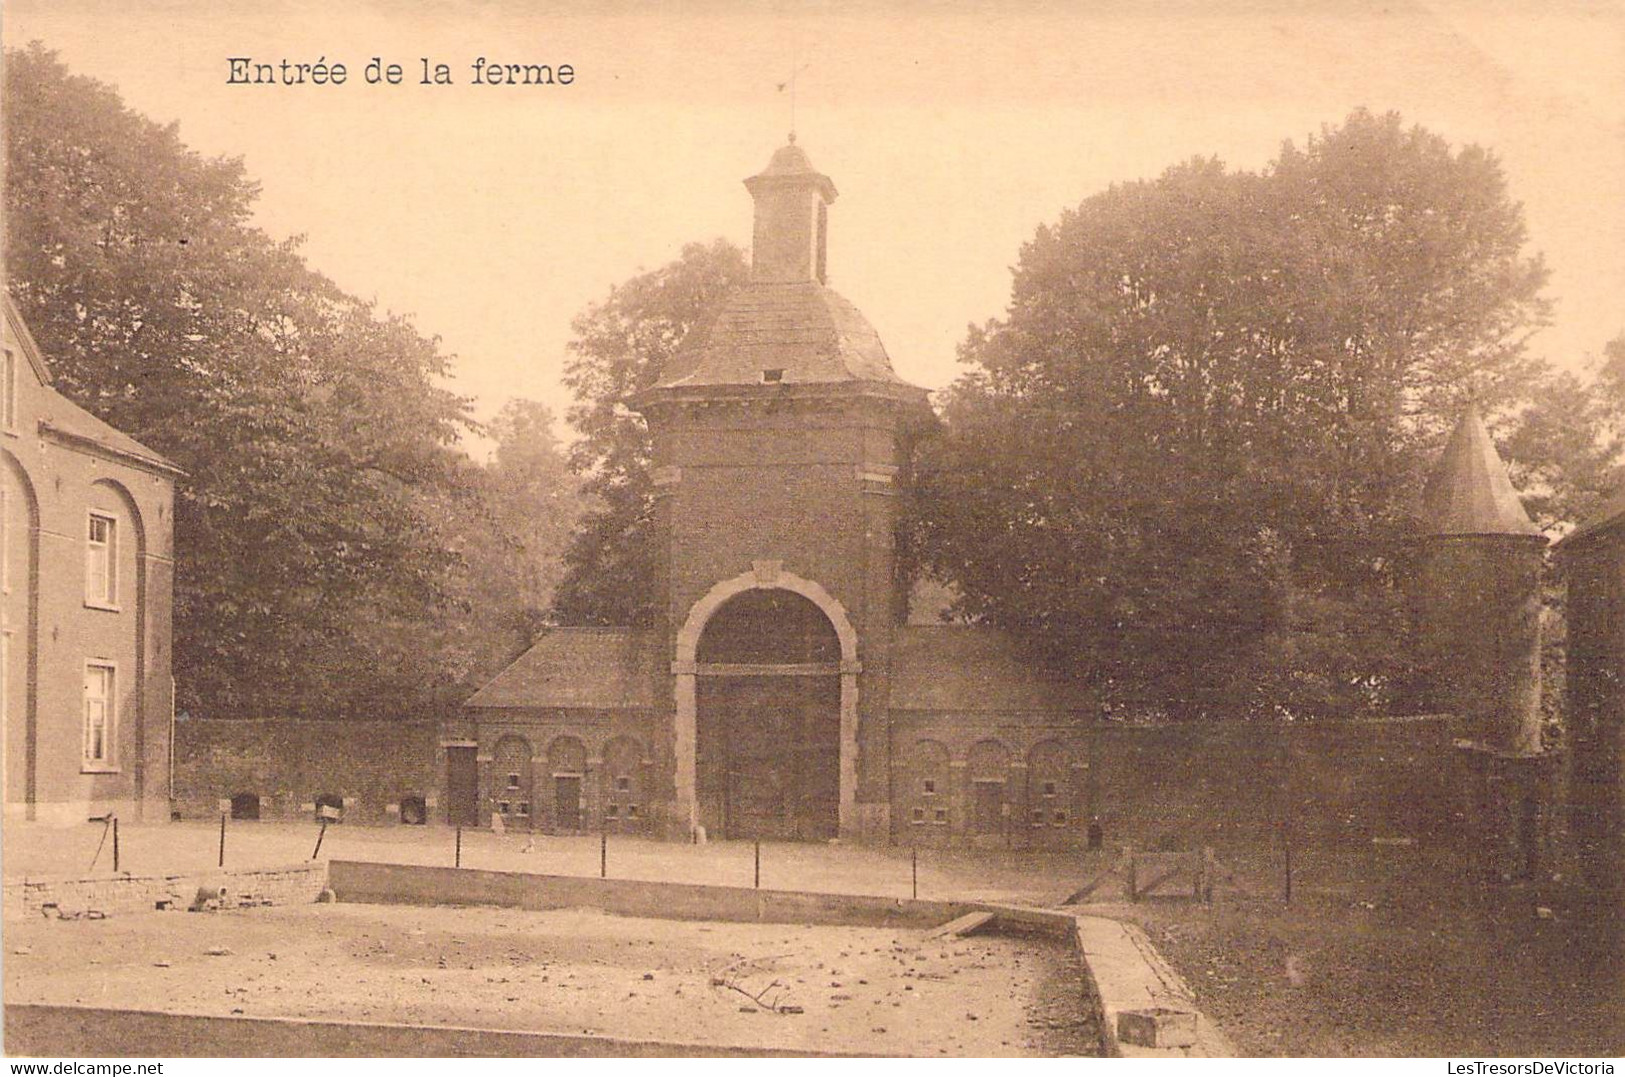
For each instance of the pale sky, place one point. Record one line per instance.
(494, 214)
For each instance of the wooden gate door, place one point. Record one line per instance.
(567, 802)
(462, 787)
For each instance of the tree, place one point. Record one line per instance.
(311, 426)
(1183, 457)
(621, 346)
(1568, 444)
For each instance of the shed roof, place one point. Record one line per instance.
(974, 668)
(597, 668)
(1470, 492)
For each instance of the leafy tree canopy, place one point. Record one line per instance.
(1185, 456)
(318, 442)
(621, 346)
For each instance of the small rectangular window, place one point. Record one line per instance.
(1060, 818)
(1049, 789)
(919, 815)
(100, 706)
(612, 812)
(930, 787)
(8, 391)
(631, 811)
(524, 808)
(623, 784)
(773, 374)
(513, 781)
(941, 816)
(505, 807)
(1038, 818)
(101, 560)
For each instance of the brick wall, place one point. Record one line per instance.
(1216, 782)
(288, 764)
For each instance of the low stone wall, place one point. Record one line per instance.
(116, 895)
(409, 884)
(285, 765)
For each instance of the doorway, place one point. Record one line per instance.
(567, 801)
(768, 719)
(462, 787)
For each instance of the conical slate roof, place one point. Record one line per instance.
(1470, 492)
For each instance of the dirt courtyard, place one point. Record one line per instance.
(878, 991)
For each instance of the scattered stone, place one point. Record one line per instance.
(791, 1009)
(22, 950)
(747, 1009)
(648, 975)
(160, 964)
(219, 951)
(326, 897)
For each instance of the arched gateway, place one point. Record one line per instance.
(766, 709)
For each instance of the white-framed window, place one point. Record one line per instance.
(513, 783)
(101, 561)
(612, 811)
(940, 818)
(101, 713)
(623, 784)
(918, 816)
(524, 809)
(928, 787)
(1049, 789)
(8, 391)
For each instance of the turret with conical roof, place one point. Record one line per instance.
(1481, 595)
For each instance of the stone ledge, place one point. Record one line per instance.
(117, 895)
(1131, 977)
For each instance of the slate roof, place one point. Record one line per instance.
(1609, 518)
(595, 668)
(806, 329)
(1470, 492)
(973, 668)
(60, 416)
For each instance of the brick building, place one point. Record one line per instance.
(780, 694)
(86, 573)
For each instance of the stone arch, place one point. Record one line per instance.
(22, 640)
(767, 575)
